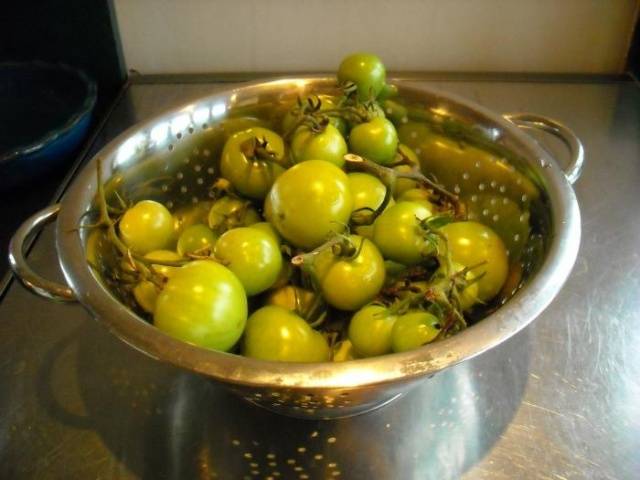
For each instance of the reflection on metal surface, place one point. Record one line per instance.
(172, 424)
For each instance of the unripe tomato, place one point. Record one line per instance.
(370, 330)
(203, 303)
(253, 255)
(327, 102)
(328, 145)
(309, 202)
(417, 195)
(189, 215)
(249, 174)
(349, 283)
(195, 238)
(404, 184)
(295, 299)
(277, 334)
(146, 295)
(475, 245)
(147, 226)
(227, 213)
(367, 191)
(414, 329)
(375, 140)
(398, 235)
(366, 71)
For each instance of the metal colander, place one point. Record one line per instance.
(500, 172)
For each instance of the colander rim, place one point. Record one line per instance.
(516, 314)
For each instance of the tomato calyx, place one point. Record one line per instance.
(258, 148)
(340, 245)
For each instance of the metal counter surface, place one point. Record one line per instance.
(560, 400)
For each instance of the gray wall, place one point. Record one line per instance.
(161, 36)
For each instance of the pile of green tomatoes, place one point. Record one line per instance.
(322, 240)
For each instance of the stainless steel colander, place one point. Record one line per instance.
(172, 158)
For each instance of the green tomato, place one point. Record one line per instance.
(370, 330)
(231, 126)
(417, 195)
(241, 164)
(189, 215)
(164, 256)
(343, 351)
(146, 295)
(405, 184)
(268, 228)
(398, 235)
(277, 334)
(295, 299)
(469, 295)
(196, 238)
(505, 217)
(367, 191)
(327, 145)
(147, 226)
(349, 283)
(252, 255)
(366, 71)
(375, 140)
(327, 102)
(413, 330)
(475, 245)
(204, 304)
(227, 213)
(309, 202)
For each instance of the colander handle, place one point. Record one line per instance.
(21, 269)
(557, 129)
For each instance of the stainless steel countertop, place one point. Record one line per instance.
(560, 400)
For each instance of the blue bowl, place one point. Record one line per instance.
(45, 112)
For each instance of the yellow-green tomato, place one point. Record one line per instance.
(296, 299)
(164, 256)
(227, 213)
(309, 202)
(404, 184)
(253, 255)
(366, 71)
(327, 145)
(414, 329)
(268, 228)
(196, 238)
(375, 140)
(188, 215)
(398, 235)
(204, 304)
(370, 330)
(146, 295)
(367, 191)
(417, 195)
(343, 351)
(348, 283)
(469, 295)
(326, 102)
(147, 226)
(277, 334)
(241, 162)
(475, 245)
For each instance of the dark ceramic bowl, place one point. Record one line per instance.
(45, 112)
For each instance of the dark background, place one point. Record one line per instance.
(79, 33)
